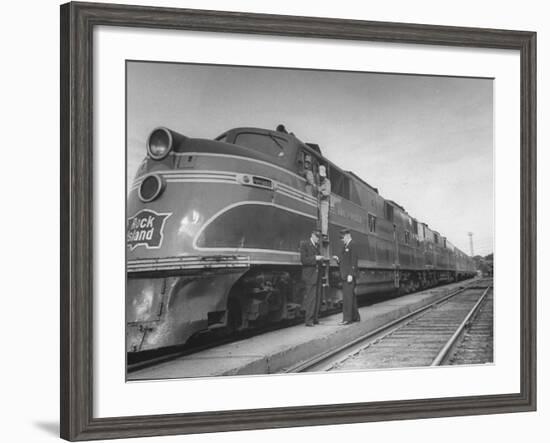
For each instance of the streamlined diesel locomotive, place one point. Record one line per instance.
(214, 230)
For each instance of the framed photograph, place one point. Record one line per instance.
(272, 221)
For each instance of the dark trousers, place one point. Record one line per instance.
(312, 299)
(349, 309)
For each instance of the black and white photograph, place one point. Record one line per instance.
(284, 220)
(235, 221)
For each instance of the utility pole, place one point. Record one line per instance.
(471, 235)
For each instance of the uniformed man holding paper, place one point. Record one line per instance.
(311, 260)
(348, 261)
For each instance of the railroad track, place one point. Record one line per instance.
(429, 336)
(476, 345)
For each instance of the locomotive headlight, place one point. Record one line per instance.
(150, 188)
(159, 143)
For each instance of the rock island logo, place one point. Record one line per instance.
(145, 228)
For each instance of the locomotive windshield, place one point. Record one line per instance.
(266, 143)
(222, 138)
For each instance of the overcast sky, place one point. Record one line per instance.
(424, 142)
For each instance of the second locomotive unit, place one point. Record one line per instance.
(214, 230)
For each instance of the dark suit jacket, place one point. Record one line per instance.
(307, 256)
(348, 261)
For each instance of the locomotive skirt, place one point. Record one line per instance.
(349, 308)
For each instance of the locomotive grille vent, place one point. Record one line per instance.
(262, 182)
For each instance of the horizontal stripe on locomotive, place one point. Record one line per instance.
(369, 264)
(296, 193)
(192, 263)
(203, 176)
(196, 174)
(242, 158)
(193, 258)
(189, 262)
(200, 263)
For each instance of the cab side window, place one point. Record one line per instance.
(388, 211)
(340, 183)
(266, 143)
(372, 223)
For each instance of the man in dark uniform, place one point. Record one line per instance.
(348, 261)
(311, 258)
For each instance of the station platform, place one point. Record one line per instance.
(274, 351)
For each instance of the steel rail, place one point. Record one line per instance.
(325, 356)
(447, 347)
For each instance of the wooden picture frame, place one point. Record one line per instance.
(77, 23)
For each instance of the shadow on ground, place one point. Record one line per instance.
(49, 427)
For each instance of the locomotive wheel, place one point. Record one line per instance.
(279, 314)
(234, 315)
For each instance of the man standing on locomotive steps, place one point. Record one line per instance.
(348, 261)
(311, 185)
(324, 200)
(311, 260)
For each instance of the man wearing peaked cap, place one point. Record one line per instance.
(348, 261)
(311, 258)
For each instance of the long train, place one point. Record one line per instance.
(214, 229)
